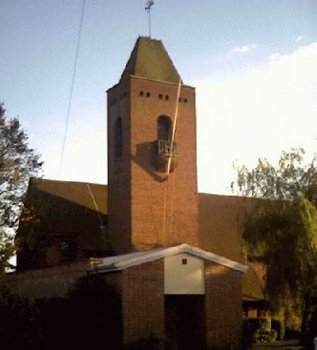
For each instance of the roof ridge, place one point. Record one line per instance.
(40, 179)
(121, 262)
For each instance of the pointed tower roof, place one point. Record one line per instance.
(150, 60)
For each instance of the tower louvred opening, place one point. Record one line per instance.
(165, 147)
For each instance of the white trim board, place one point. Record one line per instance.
(121, 262)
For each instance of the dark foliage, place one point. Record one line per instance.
(88, 317)
(310, 332)
(278, 325)
(19, 321)
(258, 330)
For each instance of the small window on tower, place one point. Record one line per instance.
(118, 138)
(184, 261)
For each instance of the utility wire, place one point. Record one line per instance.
(72, 86)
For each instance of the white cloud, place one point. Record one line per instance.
(300, 38)
(242, 49)
(260, 113)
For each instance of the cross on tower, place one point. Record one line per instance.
(148, 5)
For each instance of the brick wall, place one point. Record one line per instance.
(143, 301)
(170, 207)
(223, 306)
(144, 210)
(119, 170)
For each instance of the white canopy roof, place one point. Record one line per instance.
(121, 262)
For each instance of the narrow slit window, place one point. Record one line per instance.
(118, 138)
(164, 128)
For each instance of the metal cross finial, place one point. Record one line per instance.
(148, 5)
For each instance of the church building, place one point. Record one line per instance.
(174, 254)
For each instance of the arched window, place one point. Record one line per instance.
(164, 128)
(118, 138)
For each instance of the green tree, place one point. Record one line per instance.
(291, 178)
(17, 163)
(282, 228)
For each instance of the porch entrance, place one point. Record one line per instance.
(185, 321)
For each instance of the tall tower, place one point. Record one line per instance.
(152, 175)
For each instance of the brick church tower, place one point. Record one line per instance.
(152, 175)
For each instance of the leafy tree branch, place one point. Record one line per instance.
(18, 162)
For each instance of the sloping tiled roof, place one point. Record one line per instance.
(79, 193)
(57, 203)
(221, 222)
(65, 206)
(150, 60)
(252, 289)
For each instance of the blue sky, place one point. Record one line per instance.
(253, 62)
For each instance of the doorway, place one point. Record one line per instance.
(185, 321)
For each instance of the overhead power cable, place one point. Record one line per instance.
(72, 85)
